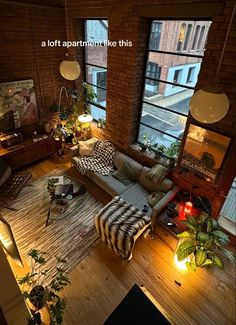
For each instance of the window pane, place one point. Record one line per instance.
(97, 112)
(96, 30)
(96, 55)
(177, 36)
(177, 99)
(155, 136)
(101, 96)
(155, 35)
(169, 63)
(96, 76)
(163, 120)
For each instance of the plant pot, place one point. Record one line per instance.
(38, 297)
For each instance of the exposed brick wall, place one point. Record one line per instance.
(22, 28)
(126, 67)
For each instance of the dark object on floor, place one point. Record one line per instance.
(136, 308)
(178, 283)
(145, 208)
(11, 188)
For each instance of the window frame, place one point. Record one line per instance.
(87, 64)
(187, 21)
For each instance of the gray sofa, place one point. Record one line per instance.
(136, 192)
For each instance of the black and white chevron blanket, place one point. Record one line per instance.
(119, 224)
(101, 161)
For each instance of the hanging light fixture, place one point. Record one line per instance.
(69, 68)
(210, 104)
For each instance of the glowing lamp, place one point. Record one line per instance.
(85, 118)
(188, 207)
(181, 264)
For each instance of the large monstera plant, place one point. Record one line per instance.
(202, 244)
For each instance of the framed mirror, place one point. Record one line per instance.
(204, 152)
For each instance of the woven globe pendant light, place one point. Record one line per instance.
(70, 69)
(210, 104)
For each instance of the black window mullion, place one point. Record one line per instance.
(96, 104)
(171, 83)
(177, 53)
(96, 66)
(89, 83)
(163, 132)
(165, 108)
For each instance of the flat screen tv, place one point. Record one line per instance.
(18, 107)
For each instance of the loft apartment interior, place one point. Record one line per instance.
(117, 162)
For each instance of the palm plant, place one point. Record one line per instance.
(40, 294)
(202, 244)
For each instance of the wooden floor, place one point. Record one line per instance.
(101, 280)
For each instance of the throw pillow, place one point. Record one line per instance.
(86, 148)
(155, 197)
(157, 173)
(129, 171)
(151, 186)
(121, 177)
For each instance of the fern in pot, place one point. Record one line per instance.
(202, 244)
(42, 287)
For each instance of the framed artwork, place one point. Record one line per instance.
(204, 152)
(18, 105)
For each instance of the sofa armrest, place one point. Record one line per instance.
(74, 151)
(156, 210)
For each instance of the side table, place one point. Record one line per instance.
(174, 224)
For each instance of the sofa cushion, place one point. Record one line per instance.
(151, 186)
(157, 173)
(108, 183)
(155, 197)
(120, 159)
(86, 147)
(137, 195)
(121, 177)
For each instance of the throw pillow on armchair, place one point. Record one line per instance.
(86, 148)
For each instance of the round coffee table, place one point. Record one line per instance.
(65, 189)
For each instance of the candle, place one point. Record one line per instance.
(188, 207)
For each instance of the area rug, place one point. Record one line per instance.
(70, 237)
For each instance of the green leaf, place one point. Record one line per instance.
(191, 266)
(201, 236)
(191, 220)
(184, 234)
(221, 236)
(229, 255)
(209, 224)
(185, 249)
(217, 261)
(190, 226)
(207, 262)
(202, 218)
(200, 257)
(215, 224)
(208, 243)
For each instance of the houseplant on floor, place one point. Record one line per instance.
(202, 244)
(41, 288)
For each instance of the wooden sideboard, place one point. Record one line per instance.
(29, 151)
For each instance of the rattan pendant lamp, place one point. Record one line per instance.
(210, 104)
(69, 68)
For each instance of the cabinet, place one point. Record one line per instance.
(29, 151)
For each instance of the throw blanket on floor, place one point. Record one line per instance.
(101, 161)
(119, 224)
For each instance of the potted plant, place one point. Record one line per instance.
(202, 244)
(40, 294)
(172, 153)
